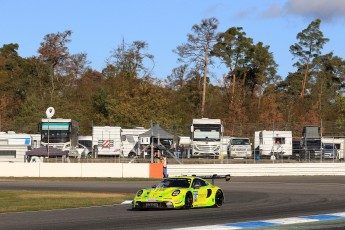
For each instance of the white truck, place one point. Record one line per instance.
(273, 144)
(239, 147)
(130, 138)
(206, 137)
(106, 141)
(13, 146)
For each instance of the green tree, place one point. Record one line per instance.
(309, 46)
(232, 48)
(197, 50)
(327, 82)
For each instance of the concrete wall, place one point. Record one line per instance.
(142, 170)
(277, 169)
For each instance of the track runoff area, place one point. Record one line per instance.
(274, 222)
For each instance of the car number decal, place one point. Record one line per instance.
(195, 195)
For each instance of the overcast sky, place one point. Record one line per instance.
(99, 26)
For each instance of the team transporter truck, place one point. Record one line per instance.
(206, 135)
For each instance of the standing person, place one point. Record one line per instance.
(156, 157)
(164, 161)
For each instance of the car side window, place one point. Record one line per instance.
(197, 183)
(203, 183)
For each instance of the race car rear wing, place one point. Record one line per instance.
(215, 176)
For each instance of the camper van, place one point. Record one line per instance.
(106, 140)
(130, 138)
(274, 143)
(13, 146)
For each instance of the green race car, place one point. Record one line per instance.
(181, 192)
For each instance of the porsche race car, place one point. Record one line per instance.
(181, 192)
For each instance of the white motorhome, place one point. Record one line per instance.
(273, 143)
(130, 138)
(106, 140)
(35, 140)
(239, 147)
(13, 146)
(206, 137)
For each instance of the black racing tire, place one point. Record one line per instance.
(218, 198)
(188, 202)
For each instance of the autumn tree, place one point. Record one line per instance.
(197, 50)
(77, 64)
(176, 80)
(309, 46)
(127, 60)
(54, 50)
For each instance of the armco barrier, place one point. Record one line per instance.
(146, 170)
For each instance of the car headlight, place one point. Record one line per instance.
(176, 192)
(140, 192)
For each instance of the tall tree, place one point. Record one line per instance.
(327, 81)
(233, 48)
(54, 50)
(309, 46)
(197, 50)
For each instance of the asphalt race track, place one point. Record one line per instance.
(247, 199)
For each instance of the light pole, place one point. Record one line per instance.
(50, 113)
(48, 137)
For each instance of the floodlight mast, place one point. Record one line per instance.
(49, 113)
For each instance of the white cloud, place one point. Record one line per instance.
(326, 10)
(274, 10)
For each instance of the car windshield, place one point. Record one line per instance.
(168, 183)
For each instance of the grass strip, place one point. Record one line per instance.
(23, 200)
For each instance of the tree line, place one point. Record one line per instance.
(250, 97)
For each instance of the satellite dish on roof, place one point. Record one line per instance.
(50, 112)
